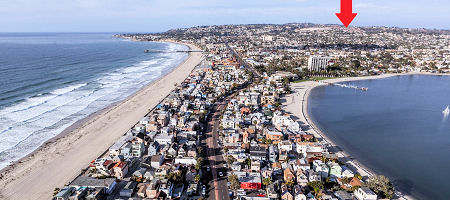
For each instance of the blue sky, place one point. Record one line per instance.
(161, 15)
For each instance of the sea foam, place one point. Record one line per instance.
(29, 123)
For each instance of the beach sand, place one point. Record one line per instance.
(296, 105)
(60, 160)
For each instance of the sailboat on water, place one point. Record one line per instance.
(446, 111)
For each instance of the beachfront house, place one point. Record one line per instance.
(335, 170)
(346, 172)
(365, 193)
(106, 185)
(114, 150)
(120, 169)
(64, 193)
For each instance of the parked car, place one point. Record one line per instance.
(203, 190)
(220, 174)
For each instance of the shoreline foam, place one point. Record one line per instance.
(35, 120)
(60, 159)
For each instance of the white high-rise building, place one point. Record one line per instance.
(316, 63)
(267, 38)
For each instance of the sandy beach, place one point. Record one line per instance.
(60, 160)
(296, 105)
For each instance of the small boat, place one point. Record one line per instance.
(446, 111)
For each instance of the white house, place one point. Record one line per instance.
(321, 168)
(306, 147)
(137, 148)
(164, 138)
(231, 123)
(186, 161)
(346, 172)
(365, 193)
(284, 121)
(114, 150)
(153, 149)
(286, 145)
(156, 161)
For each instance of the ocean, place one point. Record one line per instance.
(397, 129)
(49, 81)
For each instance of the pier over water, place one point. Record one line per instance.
(346, 86)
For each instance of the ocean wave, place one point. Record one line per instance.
(26, 125)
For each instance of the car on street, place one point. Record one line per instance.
(220, 174)
(203, 190)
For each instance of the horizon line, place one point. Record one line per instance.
(242, 24)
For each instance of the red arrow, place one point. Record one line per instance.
(346, 16)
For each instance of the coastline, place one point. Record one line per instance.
(296, 104)
(60, 159)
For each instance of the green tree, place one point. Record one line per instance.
(356, 64)
(56, 191)
(176, 176)
(381, 185)
(197, 178)
(248, 161)
(199, 150)
(286, 81)
(264, 140)
(289, 183)
(231, 160)
(316, 186)
(329, 184)
(199, 163)
(267, 181)
(234, 182)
